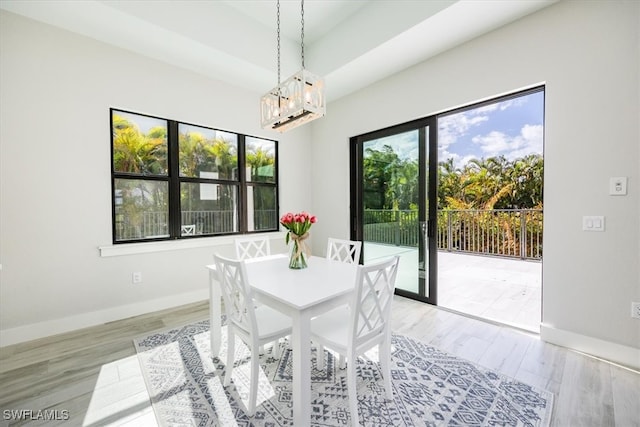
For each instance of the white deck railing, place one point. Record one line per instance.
(156, 224)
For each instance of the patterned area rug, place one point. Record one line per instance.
(431, 387)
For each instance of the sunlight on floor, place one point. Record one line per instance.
(120, 396)
(241, 377)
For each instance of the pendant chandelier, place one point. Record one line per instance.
(297, 100)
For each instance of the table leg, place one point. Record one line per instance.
(301, 346)
(215, 323)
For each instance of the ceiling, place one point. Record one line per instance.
(351, 43)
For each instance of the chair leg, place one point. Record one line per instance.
(253, 389)
(276, 349)
(231, 341)
(343, 361)
(320, 357)
(352, 390)
(385, 364)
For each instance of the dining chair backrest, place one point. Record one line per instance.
(252, 247)
(371, 308)
(188, 230)
(237, 295)
(344, 250)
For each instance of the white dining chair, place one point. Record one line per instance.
(252, 247)
(363, 326)
(347, 251)
(344, 250)
(256, 326)
(188, 230)
(248, 247)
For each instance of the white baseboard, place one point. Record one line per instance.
(84, 320)
(617, 353)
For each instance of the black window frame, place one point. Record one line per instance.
(174, 181)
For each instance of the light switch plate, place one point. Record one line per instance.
(593, 223)
(618, 186)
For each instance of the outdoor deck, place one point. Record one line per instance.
(499, 289)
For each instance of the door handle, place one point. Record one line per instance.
(427, 228)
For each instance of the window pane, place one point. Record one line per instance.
(261, 208)
(207, 153)
(208, 208)
(260, 160)
(139, 144)
(142, 209)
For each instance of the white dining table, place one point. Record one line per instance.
(301, 294)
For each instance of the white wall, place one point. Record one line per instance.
(56, 89)
(587, 55)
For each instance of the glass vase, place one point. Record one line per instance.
(297, 258)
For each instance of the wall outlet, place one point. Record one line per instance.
(136, 277)
(635, 310)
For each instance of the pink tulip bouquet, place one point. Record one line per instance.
(298, 226)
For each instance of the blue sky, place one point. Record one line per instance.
(512, 128)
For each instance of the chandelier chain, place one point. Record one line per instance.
(302, 32)
(278, 8)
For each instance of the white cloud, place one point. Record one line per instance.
(495, 143)
(454, 126)
(450, 128)
(444, 155)
(464, 160)
(503, 105)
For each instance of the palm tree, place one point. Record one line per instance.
(261, 162)
(377, 170)
(140, 154)
(527, 177)
(225, 157)
(192, 154)
(137, 153)
(449, 183)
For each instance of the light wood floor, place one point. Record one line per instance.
(94, 373)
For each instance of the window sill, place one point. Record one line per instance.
(173, 245)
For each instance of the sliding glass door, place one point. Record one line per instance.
(391, 192)
(458, 196)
